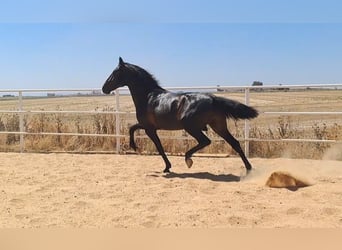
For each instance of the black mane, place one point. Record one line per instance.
(145, 77)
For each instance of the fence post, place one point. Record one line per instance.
(117, 120)
(247, 125)
(21, 122)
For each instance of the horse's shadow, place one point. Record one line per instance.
(205, 176)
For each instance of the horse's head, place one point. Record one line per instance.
(116, 79)
(126, 74)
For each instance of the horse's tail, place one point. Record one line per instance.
(234, 109)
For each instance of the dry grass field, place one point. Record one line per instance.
(263, 127)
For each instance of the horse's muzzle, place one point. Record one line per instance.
(106, 91)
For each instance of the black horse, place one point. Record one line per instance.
(157, 108)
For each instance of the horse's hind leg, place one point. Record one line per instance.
(132, 129)
(202, 140)
(220, 127)
(152, 133)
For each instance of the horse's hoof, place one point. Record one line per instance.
(133, 146)
(189, 162)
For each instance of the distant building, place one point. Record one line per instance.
(257, 83)
(51, 94)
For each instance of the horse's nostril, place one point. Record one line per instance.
(105, 89)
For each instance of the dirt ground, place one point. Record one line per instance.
(116, 191)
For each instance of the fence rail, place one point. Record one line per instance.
(21, 112)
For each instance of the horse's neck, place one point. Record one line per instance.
(140, 96)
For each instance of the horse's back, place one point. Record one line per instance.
(177, 110)
(163, 109)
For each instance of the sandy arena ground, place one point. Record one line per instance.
(106, 191)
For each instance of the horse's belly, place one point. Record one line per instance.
(168, 123)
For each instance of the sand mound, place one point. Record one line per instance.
(281, 179)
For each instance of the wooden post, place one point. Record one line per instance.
(21, 122)
(247, 125)
(117, 120)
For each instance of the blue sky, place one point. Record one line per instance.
(170, 11)
(57, 44)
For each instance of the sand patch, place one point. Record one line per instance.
(286, 175)
(116, 191)
(333, 153)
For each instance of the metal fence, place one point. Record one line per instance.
(21, 111)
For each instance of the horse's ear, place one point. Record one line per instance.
(121, 62)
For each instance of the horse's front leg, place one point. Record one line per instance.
(132, 129)
(152, 133)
